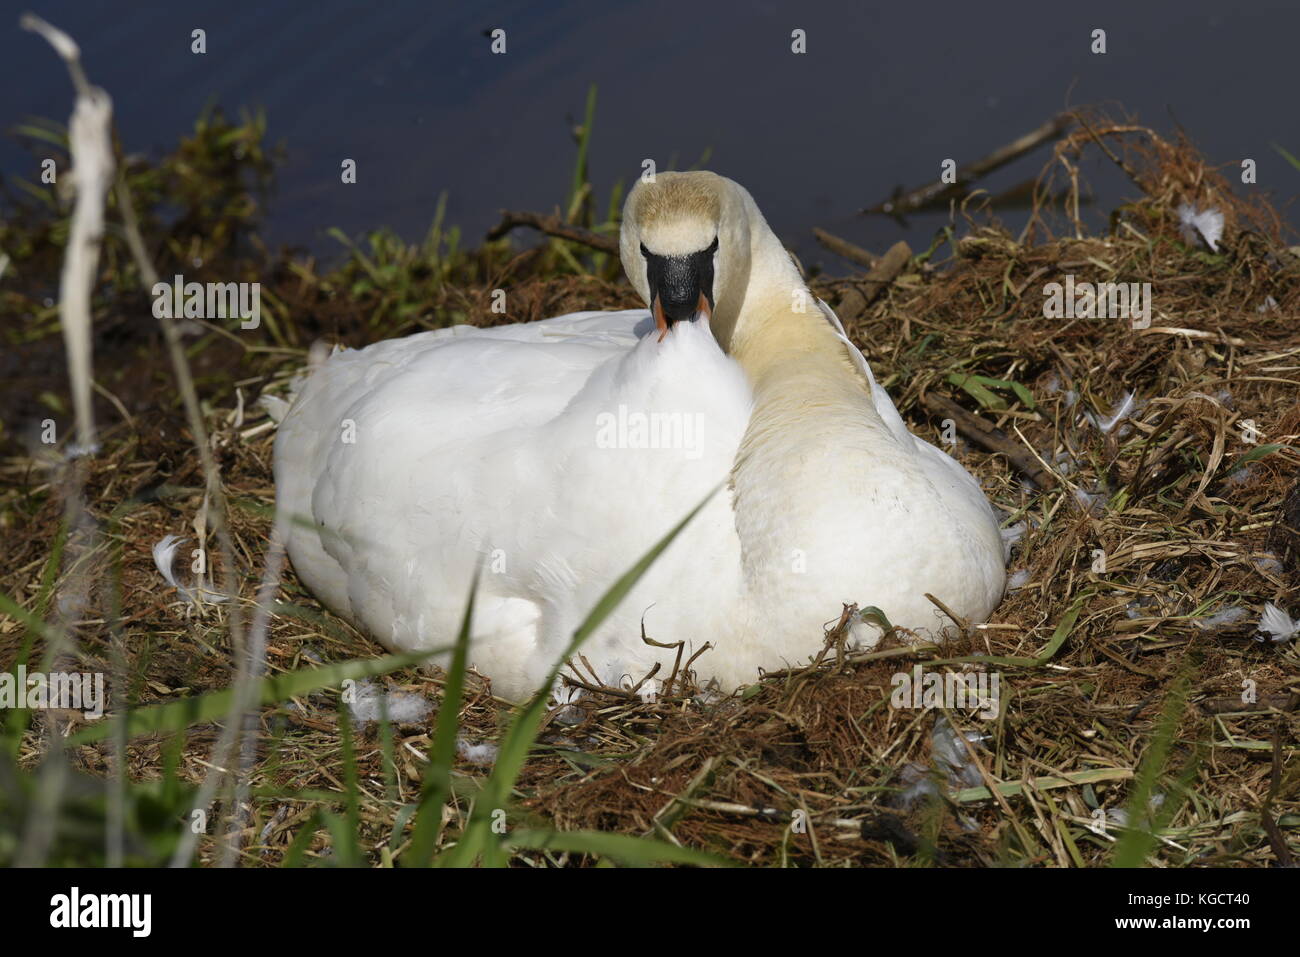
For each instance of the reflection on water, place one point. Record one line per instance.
(411, 91)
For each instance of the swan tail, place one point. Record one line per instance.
(277, 407)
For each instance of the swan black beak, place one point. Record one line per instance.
(664, 321)
(682, 287)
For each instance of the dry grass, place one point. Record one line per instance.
(1186, 534)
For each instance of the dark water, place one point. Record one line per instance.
(885, 92)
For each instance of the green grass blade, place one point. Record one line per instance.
(335, 233)
(1140, 837)
(1059, 636)
(175, 715)
(343, 839)
(584, 143)
(350, 854)
(33, 624)
(297, 848)
(1258, 453)
(436, 786)
(523, 730)
(1286, 155)
(973, 385)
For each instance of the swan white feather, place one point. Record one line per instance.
(409, 463)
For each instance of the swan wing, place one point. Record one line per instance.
(884, 404)
(941, 467)
(508, 444)
(448, 388)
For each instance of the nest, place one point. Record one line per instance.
(1151, 473)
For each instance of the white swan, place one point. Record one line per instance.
(557, 452)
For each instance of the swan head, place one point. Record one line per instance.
(685, 246)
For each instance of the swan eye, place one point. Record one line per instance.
(645, 252)
(714, 247)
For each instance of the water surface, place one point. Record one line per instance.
(886, 91)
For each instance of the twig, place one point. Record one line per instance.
(919, 648)
(691, 660)
(958, 620)
(932, 193)
(92, 178)
(91, 150)
(845, 249)
(1233, 704)
(636, 689)
(552, 226)
(215, 495)
(1276, 839)
(861, 294)
(671, 813)
(1101, 144)
(985, 435)
(599, 688)
(677, 662)
(245, 691)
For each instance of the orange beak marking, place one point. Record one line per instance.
(661, 321)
